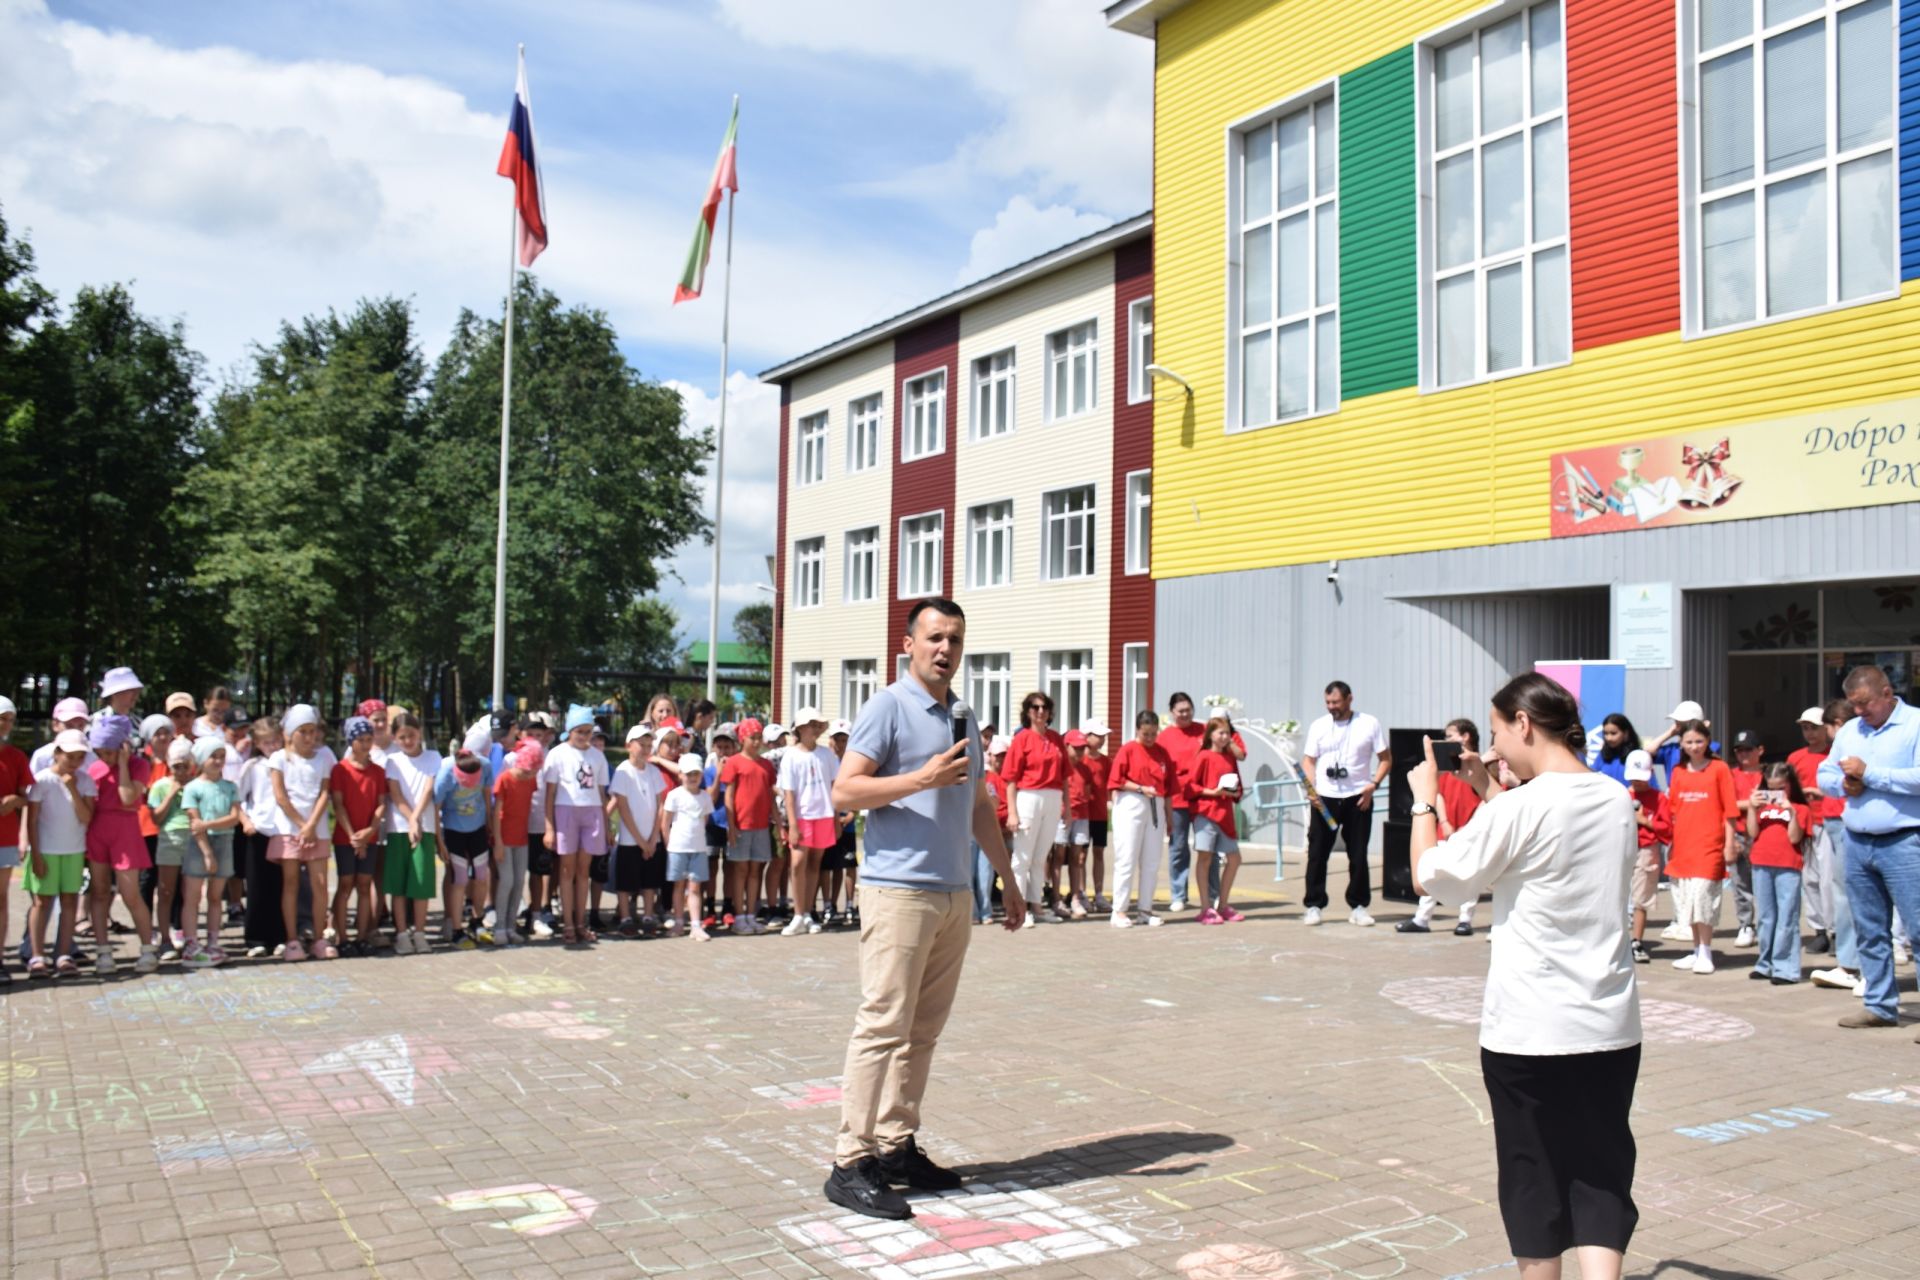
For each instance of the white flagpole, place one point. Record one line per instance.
(506, 418)
(720, 455)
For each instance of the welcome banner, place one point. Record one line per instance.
(1856, 457)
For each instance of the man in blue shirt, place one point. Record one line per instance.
(916, 768)
(1875, 763)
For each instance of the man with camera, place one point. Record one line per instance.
(1346, 755)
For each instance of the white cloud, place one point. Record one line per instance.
(1047, 68)
(1020, 231)
(750, 510)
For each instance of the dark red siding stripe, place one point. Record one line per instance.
(780, 560)
(1130, 617)
(1624, 169)
(927, 484)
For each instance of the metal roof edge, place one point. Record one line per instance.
(1140, 17)
(1052, 260)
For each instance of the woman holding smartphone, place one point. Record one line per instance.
(1560, 1029)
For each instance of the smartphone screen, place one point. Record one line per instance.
(1446, 756)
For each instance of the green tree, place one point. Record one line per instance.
(754, 625)
(604, 484)
(28, 635)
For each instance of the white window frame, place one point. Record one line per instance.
(1139, 350)
(923, 403)
(1481, 264)
(1080, 340)
(1692, 149)
(996, 371)
(1324, 401)
(910, 539)
(810, 450)
(859, 546)
(990, 688)
(1090, 518)
(899, 666)
(1139, 543)
(1001, 526)
(1136, 685)
(859, 681)
(809, 572)
(1058, 669)
(864, 418)
(806, 681)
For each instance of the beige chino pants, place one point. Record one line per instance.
(913, 943)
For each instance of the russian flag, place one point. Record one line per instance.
(519, 162)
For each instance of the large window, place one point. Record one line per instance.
(1066, 541)
(1139, 350)
(859, 680)
(990, 689)
(1286, 268)
(861, 581)
(863, 434)
(1067, 676)
(1497, 187)
(923, 425)
(920, 540)
(806, 686)
(1136, 689)
(993, 395)
(1793, 158)
(1072, 367)
(990, 545)
(809, 571)
(1140, 522)
(810, 459)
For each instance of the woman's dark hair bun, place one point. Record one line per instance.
(1576, 737)
(1546, 702)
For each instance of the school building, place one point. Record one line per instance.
(1579, 329)
(993, 445)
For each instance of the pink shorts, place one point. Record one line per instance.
(118, 844)
(283, 849)
(578, 828)
(818, 833)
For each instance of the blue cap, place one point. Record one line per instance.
(578, 715)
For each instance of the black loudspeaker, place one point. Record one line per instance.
(1405, 749)
(1396, 862)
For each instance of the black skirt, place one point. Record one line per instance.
(1565, 1148)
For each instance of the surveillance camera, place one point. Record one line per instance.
(1333, 571)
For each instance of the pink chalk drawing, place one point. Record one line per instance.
(1458, 1000)
(548, 1209)
(983, 1228)
(302, 1079)
(557, 1023)
(1238, 1262)
(804, 1094)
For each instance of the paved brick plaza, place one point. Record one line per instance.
(1260, 1100)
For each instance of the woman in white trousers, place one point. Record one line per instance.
(1036, 774)
(1138, 784)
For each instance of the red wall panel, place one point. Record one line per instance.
(1130, 614)
(1623, 110)
(925, 484)
(780, 559)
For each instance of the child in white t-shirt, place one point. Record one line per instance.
(59, 806)
(302, 828)
(683, 824)
(576, 813)
(638, 869)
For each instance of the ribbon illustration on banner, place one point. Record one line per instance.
(1708, 484)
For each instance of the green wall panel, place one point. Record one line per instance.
(1379, 264)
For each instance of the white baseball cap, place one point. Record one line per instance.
(70, 740)
(773, 731)
(1688, 710)
(639, 733)
(1814, 715)
(6, 706)
(1639, 767)
(839, 727)
(1000, 745)
(692, 763)
(1094, 727)
(808, 715)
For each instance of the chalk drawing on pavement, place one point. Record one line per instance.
(1458, 1000)
(539, 1208)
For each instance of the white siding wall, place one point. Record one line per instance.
(836, 631)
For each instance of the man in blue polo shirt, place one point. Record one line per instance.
(918, 772)
(1875, 763)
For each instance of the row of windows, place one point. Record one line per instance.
(1068, 540)
(1067, 676)
(1071, 375)
(1788, 155)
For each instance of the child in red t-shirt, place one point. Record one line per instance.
(1076, 828)
(1747, 750)
(1777, 823)
(1213, 788)
(513, 793)
(358, 789)
(1699, 808)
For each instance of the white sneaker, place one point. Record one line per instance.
(1151, 920)
(1685, 962)
(421, 947)
(1860, 988)
(1834, 979)
(1703, 964)
(1677, 933)
(1745, 937)
(104, 965)
(698, 932)
(1361, 917)
(742, 926)
(542, 929)
(402, 943)
(1902, 953)
(1029, 922)
(1312, 917)
(149, 959)
(813, 926)
(1177, 905)
(1121, 920)
(798, 925)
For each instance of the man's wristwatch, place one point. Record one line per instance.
(1421, 810)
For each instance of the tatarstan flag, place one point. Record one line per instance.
(694, 277)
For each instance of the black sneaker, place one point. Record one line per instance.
(1411, 926)
(1641, 955)
(1463, 930)
(909, 1164)
(1818, 944)
(629, 928)
(863, 1188)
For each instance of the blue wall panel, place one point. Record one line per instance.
(1909, 139)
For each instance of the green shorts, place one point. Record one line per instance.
(171, 851)
(63, 874)
(412, 870)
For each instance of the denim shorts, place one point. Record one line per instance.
(1208, 837)
(687, 866)
(9, 856)
(751, 846)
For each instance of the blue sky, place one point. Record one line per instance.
(247, 164)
